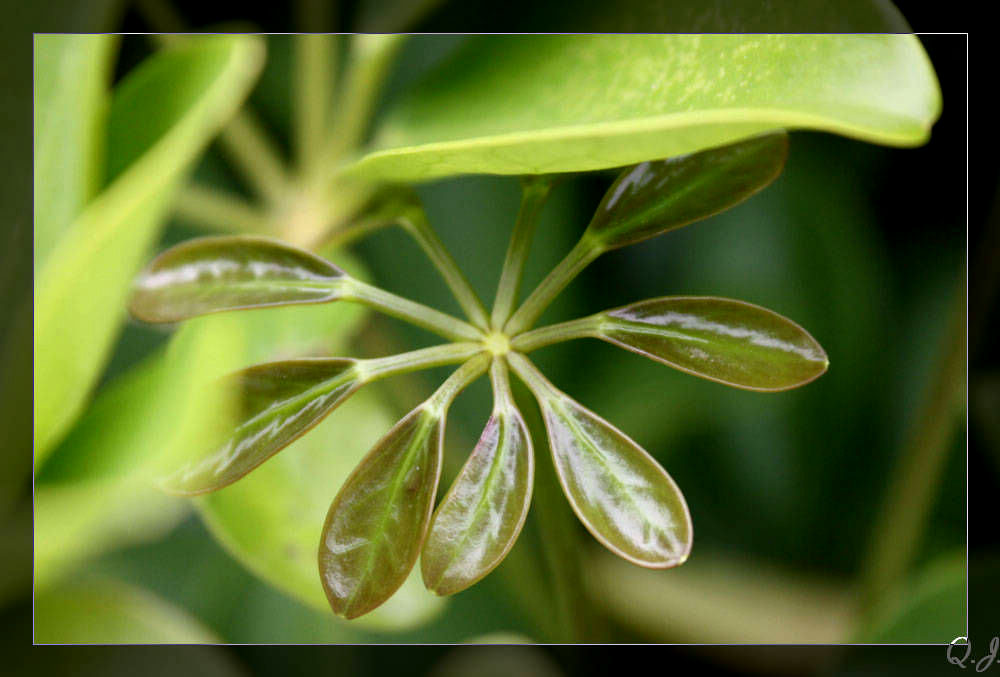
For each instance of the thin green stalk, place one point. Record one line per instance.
(415, 223)
(899, 529)
(578, 258)
(425, 358)
(244, 138)
(312, 86)
(534, 192)
(415, 313)
(460, 379)
(342, 237)
(503, 398)
(585, 327)
(369, 62)
(209, 207)
(255, 156)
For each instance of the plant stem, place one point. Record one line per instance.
(503, 399)
(415, 313)
(898, 530)
(312, 86)
(208, 207)
(585, 327)
(457, 382)
(244, 138)
(369, 61)
(414, 221)
(425, 358)
(578, 258)
(534, 192)
(255, 156)
(344, 236)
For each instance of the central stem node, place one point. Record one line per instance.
(497, 343)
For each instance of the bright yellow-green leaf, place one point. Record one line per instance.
(161, 117)
(98, 492)
(80, 520)
(71, 102)
(540, 104)
(112, 612)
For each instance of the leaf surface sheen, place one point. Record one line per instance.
(619, 492)
(732, 342)
(378, 521)
(215, 274)
(479, 520)
(655, 197)
(274, 404)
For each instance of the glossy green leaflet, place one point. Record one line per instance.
(383, 518)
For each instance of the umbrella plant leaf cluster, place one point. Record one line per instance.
(384, 519)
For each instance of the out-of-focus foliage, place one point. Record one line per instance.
(108, 611)
(152, 139)
(927, 607)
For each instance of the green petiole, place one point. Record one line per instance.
(535, 190)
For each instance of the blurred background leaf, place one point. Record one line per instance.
(79, 292)
(72, 76)
(112, 612)
(930, 606)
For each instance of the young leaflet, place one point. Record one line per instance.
(383, 518)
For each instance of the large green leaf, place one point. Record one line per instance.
(96, 492)
(80, 520)
(554, 103)
(71, 102)
(619, 492)
(478, 521)
(111, 612)
(161, 117)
